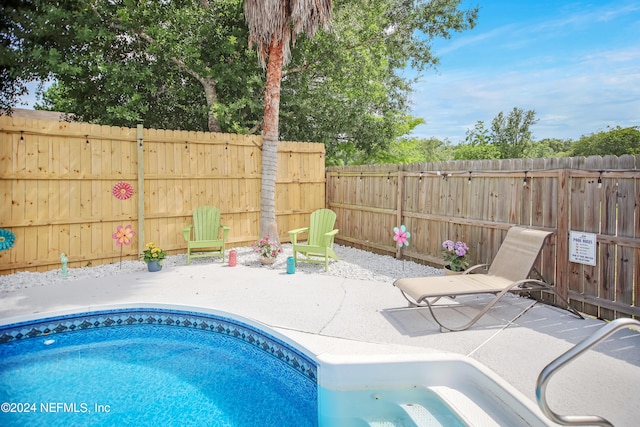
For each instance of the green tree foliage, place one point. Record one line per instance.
(435, 150)
(511, 133)
(508, 138)
(362, 100)
(162, 63)
(477, 145)
(14, 73)
(548, 147)
(475, 152)
(186, 65)
(400, 150)
(617, 141)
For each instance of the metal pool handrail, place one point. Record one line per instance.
(569, 356)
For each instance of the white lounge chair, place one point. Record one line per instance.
(509, 272)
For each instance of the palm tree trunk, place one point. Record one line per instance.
(270, 136)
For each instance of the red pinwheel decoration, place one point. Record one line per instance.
(401, 236)
(122, 190)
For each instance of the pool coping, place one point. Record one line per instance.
(48, 324)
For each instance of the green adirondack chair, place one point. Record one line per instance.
(319, 246)
(203, 236)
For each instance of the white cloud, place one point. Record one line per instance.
(570, 101)
(576, 86)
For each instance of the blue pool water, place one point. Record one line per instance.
(119, 368)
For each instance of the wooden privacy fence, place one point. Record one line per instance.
(56, 182)
(477, 201)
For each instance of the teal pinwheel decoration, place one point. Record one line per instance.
(401, 236)
(7, 239)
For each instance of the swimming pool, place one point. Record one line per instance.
(152, 367)
(186, 367)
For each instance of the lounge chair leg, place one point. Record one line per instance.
(546, 287)
(414, 304)
(473, 321)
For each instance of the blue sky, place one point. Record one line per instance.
(577, 64)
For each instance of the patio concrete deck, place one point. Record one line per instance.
(326, 314)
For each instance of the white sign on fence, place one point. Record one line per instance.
(582, 247)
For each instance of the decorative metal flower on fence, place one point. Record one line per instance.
(122, 190)
(401, 236)
(7, 239)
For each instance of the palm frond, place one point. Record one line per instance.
(282, 21)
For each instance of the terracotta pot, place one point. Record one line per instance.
(449, 272)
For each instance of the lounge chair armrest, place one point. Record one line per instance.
(475, 267)
(187, 232)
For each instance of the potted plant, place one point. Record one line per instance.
(455, 255)
(267, 249)
(153, 256)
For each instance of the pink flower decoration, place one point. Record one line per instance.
(123, 235)
(122, 190)
(401, 236)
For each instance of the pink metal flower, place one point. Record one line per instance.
(122, 190)
(123, 235)
(401, 236)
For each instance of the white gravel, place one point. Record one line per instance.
(354, 264)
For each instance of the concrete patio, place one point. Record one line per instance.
(326, 314)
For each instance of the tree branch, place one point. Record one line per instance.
(255, 129)
(179, 62)
(295, 70)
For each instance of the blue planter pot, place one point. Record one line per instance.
(153, 266)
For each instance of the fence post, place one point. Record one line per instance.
(399, 208)
(562, 235)
(140, 189)
(327, 188)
